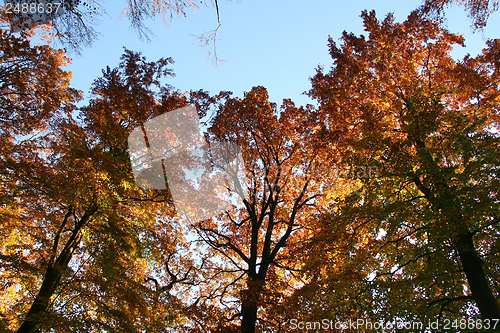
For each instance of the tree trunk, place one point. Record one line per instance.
(471, 263)
(54, 272)
(249, 320)
(250, 304)
(478, 283)
(50, 283)
(444, 203)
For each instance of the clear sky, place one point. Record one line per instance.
(274, 43)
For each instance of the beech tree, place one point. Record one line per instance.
(381, 203)
(421, 239)
(33, 85)
(83, 248)
(256, 244)
(34, 89)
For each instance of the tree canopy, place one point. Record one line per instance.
(76, 26)
(397, 100)
(379, 203)
(478, 10)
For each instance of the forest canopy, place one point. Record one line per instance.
(378, 204)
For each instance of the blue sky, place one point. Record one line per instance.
(276, 44)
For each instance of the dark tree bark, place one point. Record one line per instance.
(249, 306)
(478, 283)
(55, 270)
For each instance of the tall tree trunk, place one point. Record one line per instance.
(471, 262)
(250, 304)
(54, 272)
(249, 318)
(478, 283)
(51, 281)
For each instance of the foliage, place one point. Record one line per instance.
(419, 240)
(380, 203)
(478, 10)
(257, 242)
(79, 238)
(76, 27)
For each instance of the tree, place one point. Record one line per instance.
(33, 85)
(427, 226)
(478, 10)
(34, 90)
(255, 244)
(75, 28)
(84, 249)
